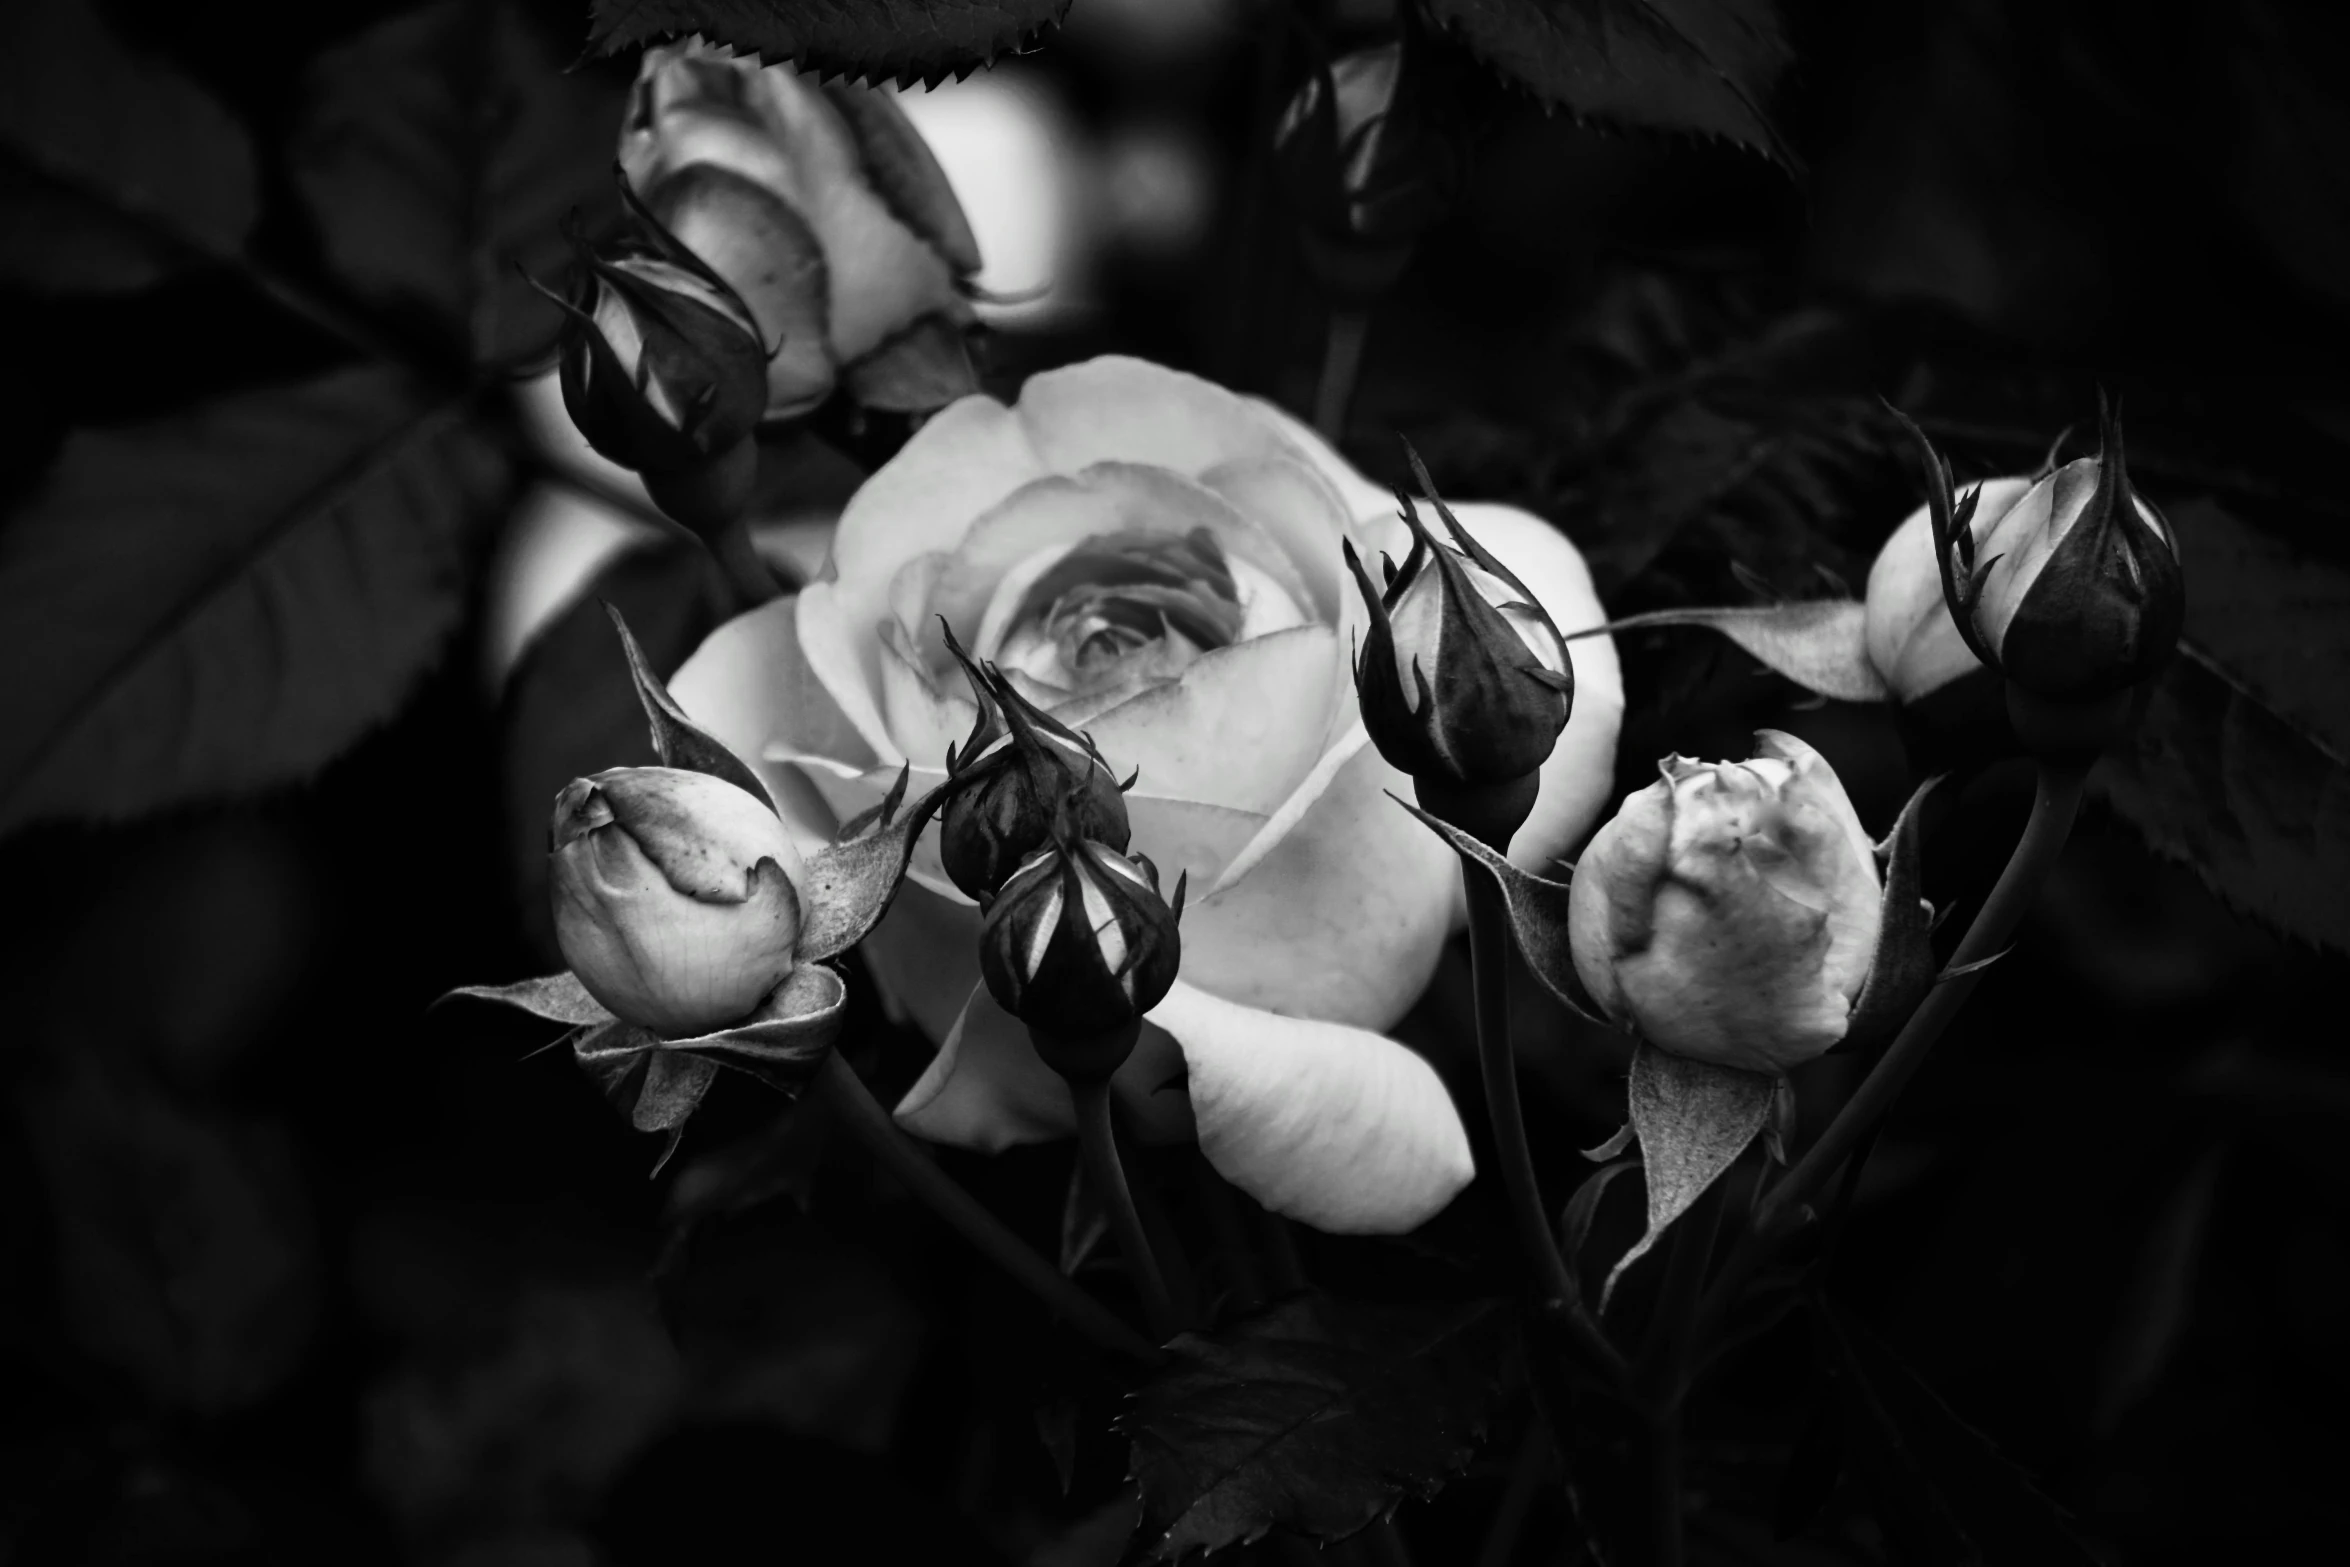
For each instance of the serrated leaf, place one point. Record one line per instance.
(185, 1245)
(1693, 1119)
(1315, 1417)
(222, 600)
(123, 169)
(1959, 1500)
(2240, 765)
(1694, 67)
(867, 40)
(1820, 644)
(439, 152)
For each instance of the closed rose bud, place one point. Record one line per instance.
(1079, 945)
(1729, 911)
(662, 369)
(1912, 640)
(1365, 176)
(823, 208)
(674, 896)
(2071, 589)
(1021, 771)
(1463, 679)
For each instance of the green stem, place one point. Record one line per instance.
(864, 1118)
(1097, 1138)
(747, 572)
(1489, 950)
(1342, 358)
(1663, 1362)
(2056, 801)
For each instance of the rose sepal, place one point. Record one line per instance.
(1903, 969)
(1538, 914)
(1692, 1119)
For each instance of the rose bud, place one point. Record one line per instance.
(1363, 172)
(1078, 945)
(674, 898)
(2073, 592)
(1463, 679)
(1020, 771)
(1912, 640)
(823, 208)
(1729, 911)
(664, 371)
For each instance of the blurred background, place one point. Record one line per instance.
(294, 1270)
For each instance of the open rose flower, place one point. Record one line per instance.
(1157, 562)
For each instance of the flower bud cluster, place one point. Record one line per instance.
(1077, 942)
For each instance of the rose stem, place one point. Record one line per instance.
(2056, 801)
(1166, 1243)
(1517, 1497)
(1662, 1356)
(864, 1118)
(1098, 1139)
(1342, 356)
(1216, 1201)
(1489, 950)
(746, 572)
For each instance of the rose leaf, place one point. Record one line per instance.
(904, 41)
(1316, 1417)
(1817, 643)
(118, 170)
(1693, 1120)
(1692, 67)
(1943, 1491)
(439, 152)
(222, 600)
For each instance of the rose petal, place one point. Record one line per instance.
(1343, 918)
(1365, 501)
(1239, 728)
(844, 657)
(925, 956)
(1333, 1126)
(987, 1090)
(1580, 773)
(1066, 509)
(750, 687)
(1911, 637)
(1288, 497)
(1115, 409)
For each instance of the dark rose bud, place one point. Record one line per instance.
(1463, 678)
(1079, 945)
(2073, 592)
(1020, 771)
(664, 371)
(2083, 596)
(1369, 163)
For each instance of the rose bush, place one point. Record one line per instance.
(1157, 562)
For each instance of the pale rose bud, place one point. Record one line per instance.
(1021, 772)
(674, 896)
(1462, 677)
(1366, 167)
(823, 208)
(1728, 912)
(1078, 945)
